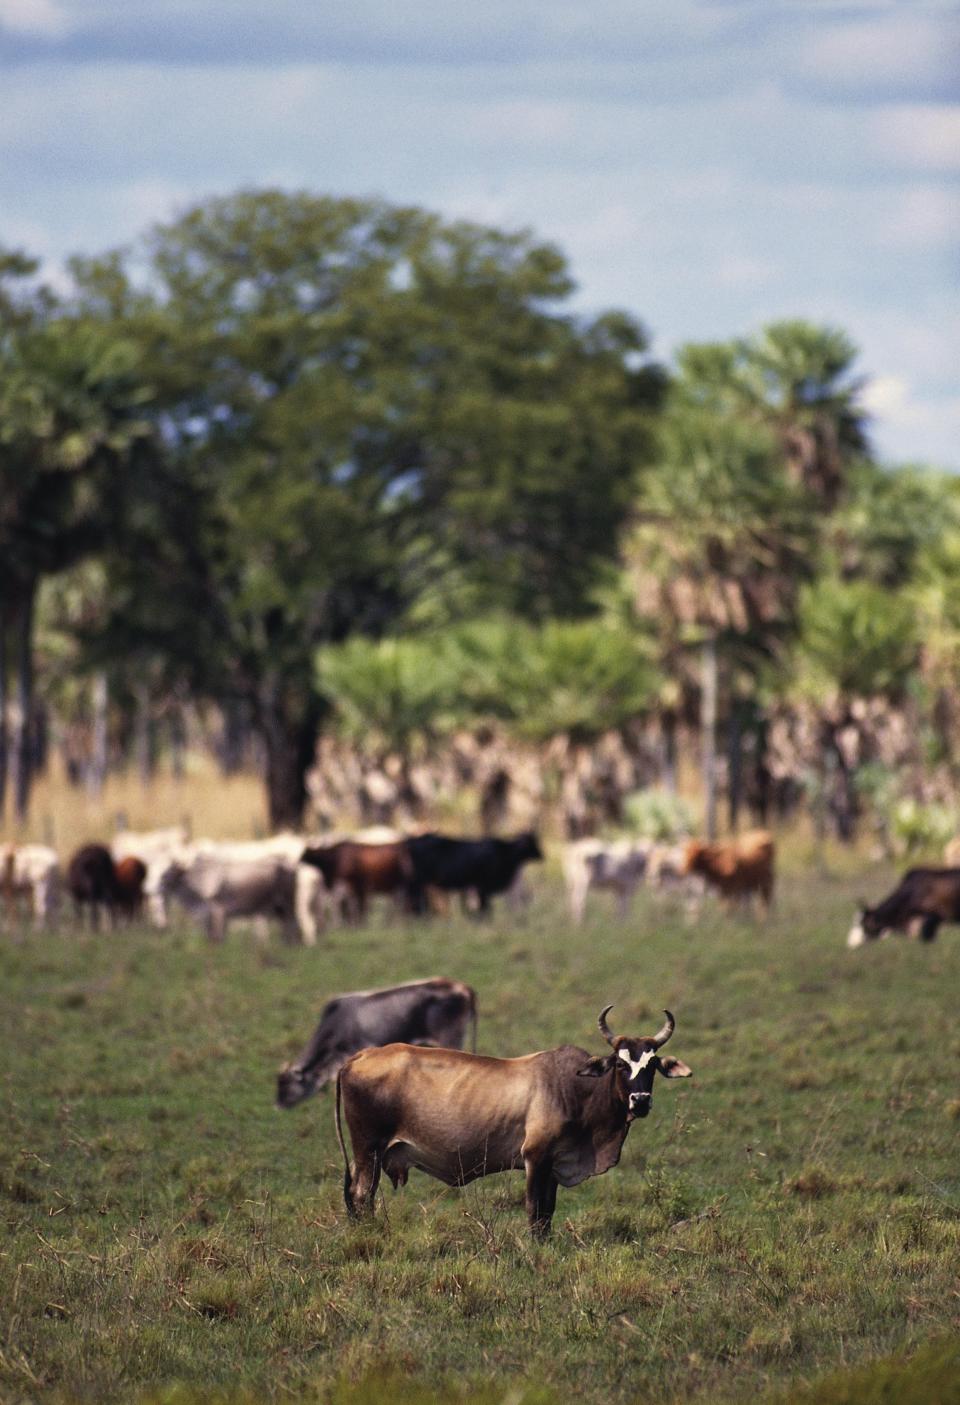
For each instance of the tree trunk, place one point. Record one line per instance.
(290, 727)
(143, 734)
(668, 728)
(708, 724)
(735, 763)
(97, 772)
(22, 751)
(233, 737)
(178, 742)
(4, 681)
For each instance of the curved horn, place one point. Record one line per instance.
(603, 1027)
(665, 1031)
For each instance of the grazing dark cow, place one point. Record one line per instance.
(130, 875)
(481, 866)
(435, 1012)
(359, 870)
(923, 899)
(92, 882)
(561, 1116)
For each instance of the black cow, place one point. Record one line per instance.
(481, 866)
(923, 899)
(92, 882)
(435, 1012)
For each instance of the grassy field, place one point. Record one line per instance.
(793, 1210)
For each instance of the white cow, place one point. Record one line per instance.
(30, 871)
(218, 886)
(144, 844)
(309, 893)
(618, 865)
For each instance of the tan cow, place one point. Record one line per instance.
(559, 1115)
(738, 869)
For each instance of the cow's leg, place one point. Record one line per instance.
(361, 1181)
(577, 897)
(624, 894)
(360, 901)
(929, 927)
(215, 922)
(541, 1193)
(306, 904)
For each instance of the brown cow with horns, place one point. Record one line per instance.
(559, 1115)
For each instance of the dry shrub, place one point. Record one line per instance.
(813, 1183)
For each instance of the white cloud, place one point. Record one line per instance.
(887, 396)
(744, 271)
(43, 19)
(143, 203)
(923, 217)
(525, 122)
(899, 49)
(911, 426)
(922, 135)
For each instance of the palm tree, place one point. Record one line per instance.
(756, 446)
(722, 538)
(856, 640)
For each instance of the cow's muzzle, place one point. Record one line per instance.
(640, 1104)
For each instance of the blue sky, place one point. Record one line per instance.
(707, 164)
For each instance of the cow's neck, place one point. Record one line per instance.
(608, 1121)
(316, 1053)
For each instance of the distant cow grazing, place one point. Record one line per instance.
(923, 899)
(560, 1115)
(738, 869)
(355, 872)
(92, 883)
(435, 1012)
(481, 866)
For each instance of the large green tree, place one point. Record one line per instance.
(74, 421)
(369, 409)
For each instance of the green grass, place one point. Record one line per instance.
(792, 1211)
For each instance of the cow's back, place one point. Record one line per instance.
(243, 886)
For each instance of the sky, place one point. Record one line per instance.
(708, 165)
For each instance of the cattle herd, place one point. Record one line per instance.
(410, 1094)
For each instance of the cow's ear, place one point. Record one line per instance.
(596, 1068)
(674, 1068)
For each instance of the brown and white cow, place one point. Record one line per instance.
(561, 1115)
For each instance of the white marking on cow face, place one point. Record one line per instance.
(636, 1066)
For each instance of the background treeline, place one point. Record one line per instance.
(349, 494)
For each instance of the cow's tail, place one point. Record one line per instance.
(346, 1160)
